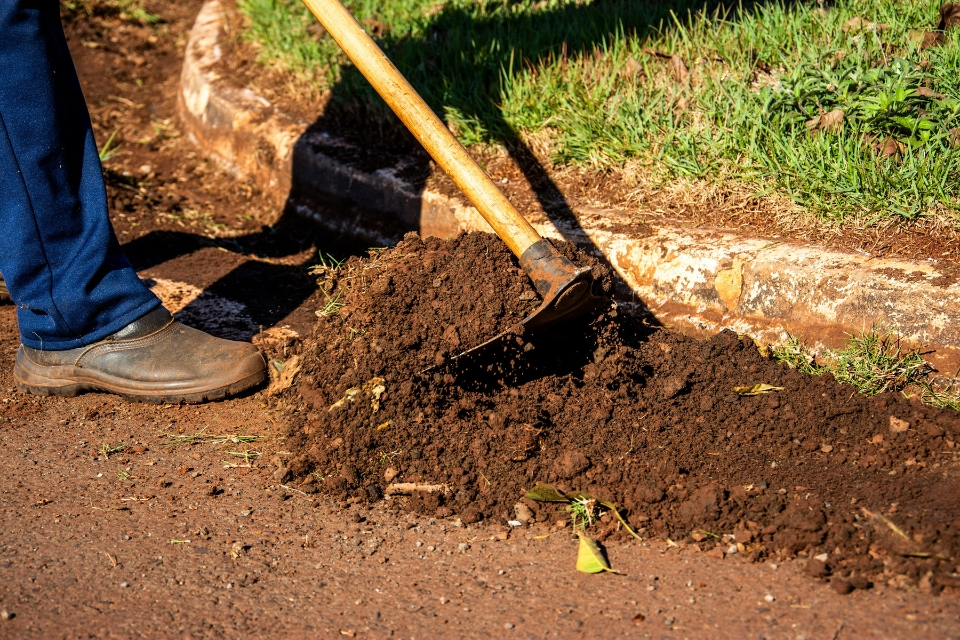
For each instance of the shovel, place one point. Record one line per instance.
(566, 291)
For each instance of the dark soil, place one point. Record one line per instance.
(645, 418)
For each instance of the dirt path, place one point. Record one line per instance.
(161, 539)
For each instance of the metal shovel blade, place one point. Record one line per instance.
(567, 294)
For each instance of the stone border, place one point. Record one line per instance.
(696, 279)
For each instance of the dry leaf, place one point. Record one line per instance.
(756, 389)
(546, 493)
(890, 147)
(590, 558)
(831, 122)
(926, 92)
(285, 376)
(632, 67)
(680, 71)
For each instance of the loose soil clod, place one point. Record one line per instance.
(645, 418)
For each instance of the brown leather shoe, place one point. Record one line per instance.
(154, 359)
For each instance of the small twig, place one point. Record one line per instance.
(836, 634)
(113, 561)
(407, 488)
(897, 530)
(289, 488)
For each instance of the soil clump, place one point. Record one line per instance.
(640, 416)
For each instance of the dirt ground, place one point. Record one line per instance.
(118, 522)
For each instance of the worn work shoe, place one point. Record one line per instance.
(154, 359)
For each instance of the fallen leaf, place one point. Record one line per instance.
(831, 121)
(590, 558)
(632, 67)
(889, 147)
(756, 389)
(926, 39)
(927, 92)
(288, 371)
(546, 493)
(680, 71)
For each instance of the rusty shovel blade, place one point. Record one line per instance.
(567, 293)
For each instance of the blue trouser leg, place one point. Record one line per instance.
(58, 252)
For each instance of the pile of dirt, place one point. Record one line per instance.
(644, 417)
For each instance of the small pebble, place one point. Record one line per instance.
(732, 549)
(769, 598)
(462, 547)
(5, 615)
(508, 625)
(431, 548)
(419, 544)
(124, 585)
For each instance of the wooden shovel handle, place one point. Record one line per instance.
(425, 125)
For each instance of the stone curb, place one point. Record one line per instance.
(696, 279)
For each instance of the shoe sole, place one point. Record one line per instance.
(70, 381)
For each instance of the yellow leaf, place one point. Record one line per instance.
(589, 558)
(756, 389)
(546, 493)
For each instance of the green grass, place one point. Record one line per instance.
(124, 9)
(593, 82)
(873, 362)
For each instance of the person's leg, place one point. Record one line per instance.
(86, 320)
(58, 253)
